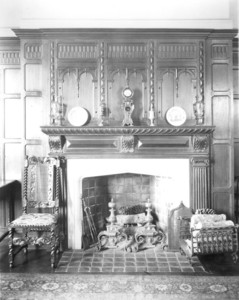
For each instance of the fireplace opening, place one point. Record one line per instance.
(130, 183)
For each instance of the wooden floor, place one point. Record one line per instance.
(38, 261)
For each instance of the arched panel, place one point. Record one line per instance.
(167, 92)
(78, 90)
(136, 83)
(86, 92)
(185, 95)
(116, 98)
(69, 91)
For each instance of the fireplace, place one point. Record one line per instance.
(169, 165)
(129, 182)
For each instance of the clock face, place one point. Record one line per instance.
(127, 92)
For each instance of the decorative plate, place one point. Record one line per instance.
(176, 116)
(78, 116)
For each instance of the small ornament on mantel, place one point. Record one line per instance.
(198, 108)
(151, 115)
(57, 111)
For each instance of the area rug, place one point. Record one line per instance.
(88, 286)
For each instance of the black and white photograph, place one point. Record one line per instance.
(119, 150)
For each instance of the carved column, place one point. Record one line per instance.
(151, 86)
(102, 85)
(200, 184)
(198, 106)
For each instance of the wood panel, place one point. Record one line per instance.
(221, 170)
(13, 161)
(11, 110)
(220, 77)
(115, 100)
(222, 117)
(12, 81)
(236, 151)
(13, 114)
(221, 120)
(34, 107)
(33, 77)
(221, 203)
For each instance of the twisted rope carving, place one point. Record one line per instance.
(10, 245)
(25, 182)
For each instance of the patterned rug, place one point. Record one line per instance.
(131, 287)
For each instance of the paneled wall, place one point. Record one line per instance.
(90, 68)
(11, 111)
(221, 99)
(236, 103)
(22, 108)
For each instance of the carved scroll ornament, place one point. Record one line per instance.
(56, 143)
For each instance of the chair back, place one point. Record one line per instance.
(41, 184)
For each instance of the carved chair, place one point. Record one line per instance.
(39, 224)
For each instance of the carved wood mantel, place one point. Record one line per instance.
(192, 142)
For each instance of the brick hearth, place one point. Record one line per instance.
(117, 261)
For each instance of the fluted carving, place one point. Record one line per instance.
(177, 51)
(220, 51)
(127, 51)
(33, 51)
(79, 51)
(200, 177)
(9, 57)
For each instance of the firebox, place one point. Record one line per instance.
(129, 182)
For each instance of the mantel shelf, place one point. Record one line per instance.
(164, 131)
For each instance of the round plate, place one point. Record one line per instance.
(176, 116)
(78, 116)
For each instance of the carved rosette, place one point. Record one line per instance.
(200, 143)
(127, 143)
(102, 85)
(56, 143)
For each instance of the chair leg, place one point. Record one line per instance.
(25, 249)
(10, 245)
(53, 248)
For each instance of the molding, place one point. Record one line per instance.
(130, 33)
(192, 130)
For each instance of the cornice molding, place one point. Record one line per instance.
(145, 33)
